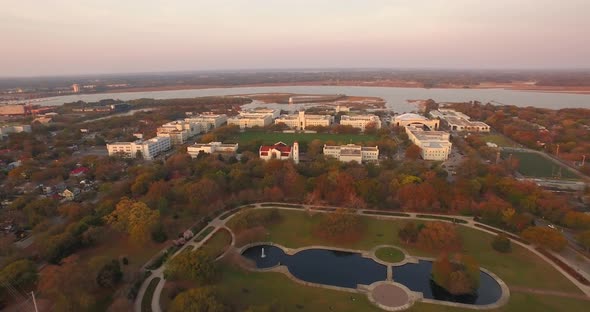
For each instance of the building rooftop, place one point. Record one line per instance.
(410, 116)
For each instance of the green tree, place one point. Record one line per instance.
(409, 233)
(196, 265)
(19, 273)
(197, 300)
(502, 243)
(109, 275)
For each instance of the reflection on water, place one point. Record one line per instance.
(396, 98)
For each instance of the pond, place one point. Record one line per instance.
(417, 278)
(321, 266)
(348, 269)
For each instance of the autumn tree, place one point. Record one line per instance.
(458, 274)
(109, 275)
(197, 300)
(340, 225)
(198, 266)
(439, 236)
(135, 218)
(413, 152)
(545, 237)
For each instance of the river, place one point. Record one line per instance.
(396, 98)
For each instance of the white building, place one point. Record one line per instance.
(148, 149)
(352, 152)
(434, 145)
(6, 130)
(279, 151)
(361, 121)
(409, 119)
(213, 147)
(179, 131)
(261, 111)
(458, 121)
(248, 121)
(301, 121)
(208, 121)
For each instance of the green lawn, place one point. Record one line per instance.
(498, 139)
(218, 243)
(289, 138)
(535, 165)
(241, 289)
(389, 254)
(146, 301)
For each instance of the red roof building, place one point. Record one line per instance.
(79, 171)
(279, 151)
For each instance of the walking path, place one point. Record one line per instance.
(548, 292)
(218, 223)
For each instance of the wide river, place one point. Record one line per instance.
(396, 98)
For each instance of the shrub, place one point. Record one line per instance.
(501, 243)
(409, 233)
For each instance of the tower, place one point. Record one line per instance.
(295, 152)
(301, 120)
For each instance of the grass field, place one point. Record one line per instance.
(289, 138)
(218, 243)
(146, 301)
(537, 166)
(389, 254)
(498, 139)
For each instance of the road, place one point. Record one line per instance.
(571, 253)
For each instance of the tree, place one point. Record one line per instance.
(340, 225)
(502, 243)
(196, 265)
(135, 218)
(457, 274)
(109, 275)
(409, 233)
(545, 237)
(413, 152)
(439, 236)
(19, 273)
(584, 239)
(197, 300)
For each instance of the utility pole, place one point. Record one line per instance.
(557, 152)
(583, 160)
(34, 301)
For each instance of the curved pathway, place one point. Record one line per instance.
(218, 223)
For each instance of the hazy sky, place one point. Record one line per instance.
(42, 37)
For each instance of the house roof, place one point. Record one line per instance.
(79, 170)
(279, 146)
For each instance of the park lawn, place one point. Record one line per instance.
(498, 139)
(218, 243)
(518, 268)
(289, 138)
(241, 289)
(537, 166)
(389, 254)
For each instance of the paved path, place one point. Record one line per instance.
(217, 223)
(548, 292)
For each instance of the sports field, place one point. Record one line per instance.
(534, 165)
(289, 138)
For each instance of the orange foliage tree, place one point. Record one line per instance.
(439, 236)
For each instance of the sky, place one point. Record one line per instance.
(60, 37)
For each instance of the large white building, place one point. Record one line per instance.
(300, 121)
(409, 119)
(458, 121)
(6, 130)
(213, 147)
(352, 152)
(261, 111)
(208, 121)
(245, 120)
(434, 145)
(360, 121)
(148, 149)
(179, 131)
(279, 151)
